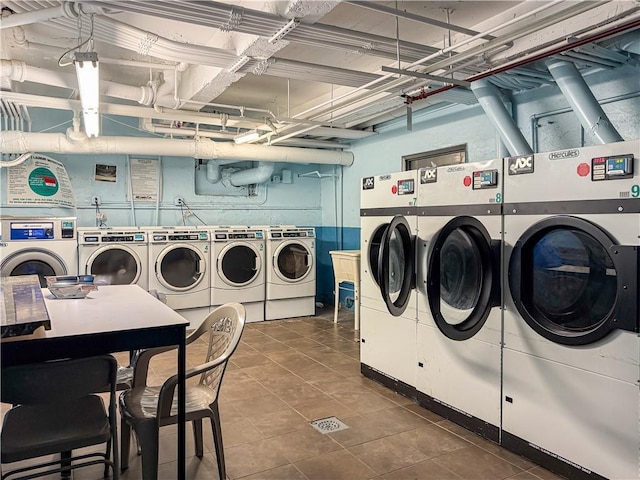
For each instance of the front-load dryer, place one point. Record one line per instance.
(238, 268)
(387, 280)
(291, 272)
(38, 246)
(179, 269)
(571, 345)
(458, 283)
(114, 255)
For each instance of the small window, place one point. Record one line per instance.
(436, 158)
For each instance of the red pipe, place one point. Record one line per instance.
(598, 36)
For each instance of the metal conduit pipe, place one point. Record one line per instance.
(584, 104)
(629, 42)
(489, 97)
(20, 142)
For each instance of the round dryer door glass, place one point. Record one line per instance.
(396, 265)
(573, 279)
(460, 276)
(180, 267)
(114, 267)
(34, 267)
(239, 265)
(293, 261)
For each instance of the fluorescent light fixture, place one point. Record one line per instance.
(87, 69)
(246, 136)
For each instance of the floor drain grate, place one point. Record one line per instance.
(329, 425)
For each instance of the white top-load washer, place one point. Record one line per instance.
(114, 255)
(238, 268)
(571, 315)
(458, 284)
(291, 272)
(387, 280)
(179, 269)
(38, 246)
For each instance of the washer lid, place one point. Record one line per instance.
(572, 283)
(463, 277)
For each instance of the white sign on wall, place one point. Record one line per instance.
(39, 180)
(144, 177)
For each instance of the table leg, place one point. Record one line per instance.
(337, 300)
(182, 444)
(356, 306)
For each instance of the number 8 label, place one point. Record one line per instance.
(499, 196)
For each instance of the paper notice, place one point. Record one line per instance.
(39, 180)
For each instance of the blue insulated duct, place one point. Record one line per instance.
(488, 96)
(582, 101)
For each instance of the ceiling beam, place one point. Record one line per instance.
(435, 78)
(416, 18)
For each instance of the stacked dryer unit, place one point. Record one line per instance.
(459, 317)
(387, 280)
(238, 268)
(179, 269)
(38, 246)
(290, 272)
(114, 255)
(571, 318)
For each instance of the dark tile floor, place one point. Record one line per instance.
(287, 373)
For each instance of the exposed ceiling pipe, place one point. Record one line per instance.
(629, 42)
(489, 97)
(19, 71)
(158, 113)
(67, 9)
(21, 142)
(582, 101)
(259, 174)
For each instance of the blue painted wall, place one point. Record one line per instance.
(328, 197)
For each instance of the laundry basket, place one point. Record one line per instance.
(346, 268)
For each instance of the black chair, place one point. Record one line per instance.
(147, 408)
(55, 412)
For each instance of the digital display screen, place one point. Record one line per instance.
(406, 187)
(612, 168)
(240, 235)
(221, 236)
(485, 179)
(39, 231)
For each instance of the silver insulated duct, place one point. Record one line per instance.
(582, 101)
(489, 97)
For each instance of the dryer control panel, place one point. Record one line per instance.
(611, 168)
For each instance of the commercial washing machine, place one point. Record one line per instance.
(38, 246)
(290, 273)
(387, 280)
(571, 345)
(114, 255)
(179, 268)
(459, 318)
(238, 269)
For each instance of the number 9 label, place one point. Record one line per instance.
(635, 191)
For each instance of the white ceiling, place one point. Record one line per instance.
(335, 48)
